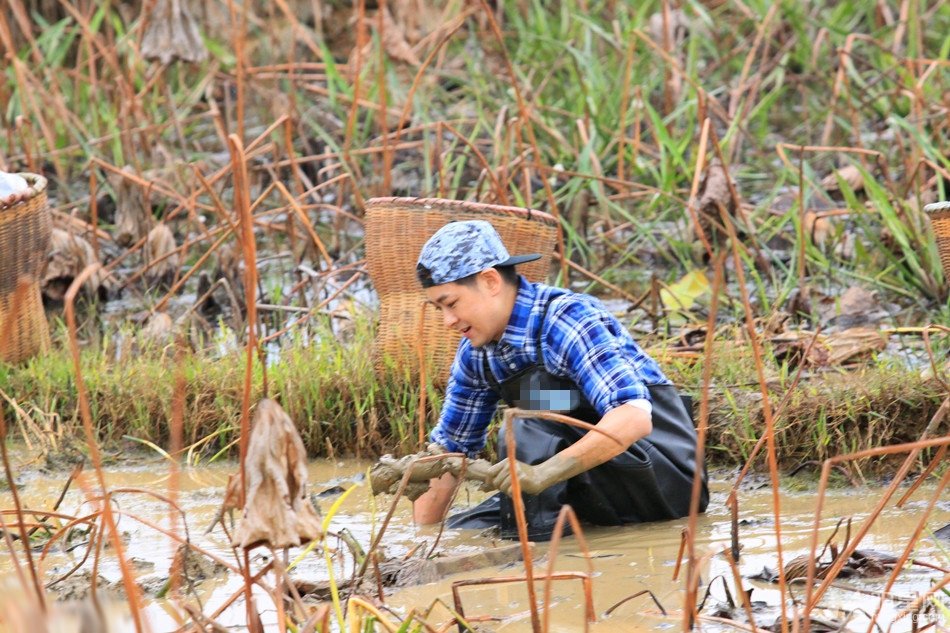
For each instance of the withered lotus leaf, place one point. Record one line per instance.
(277, 511)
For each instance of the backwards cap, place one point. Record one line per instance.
(460, 249)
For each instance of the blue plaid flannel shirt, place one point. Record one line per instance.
(581, 340)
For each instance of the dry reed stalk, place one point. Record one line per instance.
(94, 533)
(526, 120)
(616, 605)
(256, 579)
(739, 93)
(760, 258)
(710, 102)
(420, 354)
(499, 192)
(437, 158)
(694, 189)
(746, 596)
(306, 222)
(340, 156)
(176, 431)
(26, 30)
(358, 576)
(460, 22)
(567, 514)
(382, 13)
(370, 105)
(152, 185)
(843, 53)
(912, 544)
(19, 297)
(246, 237)
(813, 594)
(526, 193)
(197, 265)
(357, 74)
(518, 502)
(620, 185)
(936, 461)
(671, 92)
(766, 412)
(101, 140)
(583, 128)
(779, 410)
(692, 580)
(128, 578)
(295, 171)
(312, 311)
(527, 578)
(94, 212)
(624, 106)
(31, 87)
(606, 284)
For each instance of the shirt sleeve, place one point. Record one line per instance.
(586, 343)
(468, 408)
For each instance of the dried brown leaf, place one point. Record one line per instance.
(157, 332)
(133, 220)
(851, 175)
(161, 242)
(69, 256)
(394, 40)
(854, 344)
(277, 510)
(172, 33)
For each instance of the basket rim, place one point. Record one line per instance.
(526, 213)
(37, 186)
(937, 207)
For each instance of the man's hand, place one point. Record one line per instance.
(533, 479)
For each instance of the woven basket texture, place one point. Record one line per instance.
(396, 230)
(939, 213)
(25, 228)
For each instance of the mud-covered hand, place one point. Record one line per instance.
(533, 479)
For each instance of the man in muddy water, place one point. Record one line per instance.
(543, 348)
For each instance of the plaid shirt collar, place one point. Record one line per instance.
(516, 333)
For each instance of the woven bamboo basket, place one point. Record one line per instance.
(25, 228)
(396, 230)
(939, 213)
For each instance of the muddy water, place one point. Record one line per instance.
(625, 560)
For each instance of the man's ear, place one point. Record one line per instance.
(492, 280)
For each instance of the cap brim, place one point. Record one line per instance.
(519, 259)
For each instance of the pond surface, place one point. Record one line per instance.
(625, 560)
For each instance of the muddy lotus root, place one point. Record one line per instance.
(277, 510)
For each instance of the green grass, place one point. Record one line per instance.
(343, 406)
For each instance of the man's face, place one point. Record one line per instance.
(476, 311)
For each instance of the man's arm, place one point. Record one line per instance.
(626, 423)
(431, 506)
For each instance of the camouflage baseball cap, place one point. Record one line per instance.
(460, 249)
